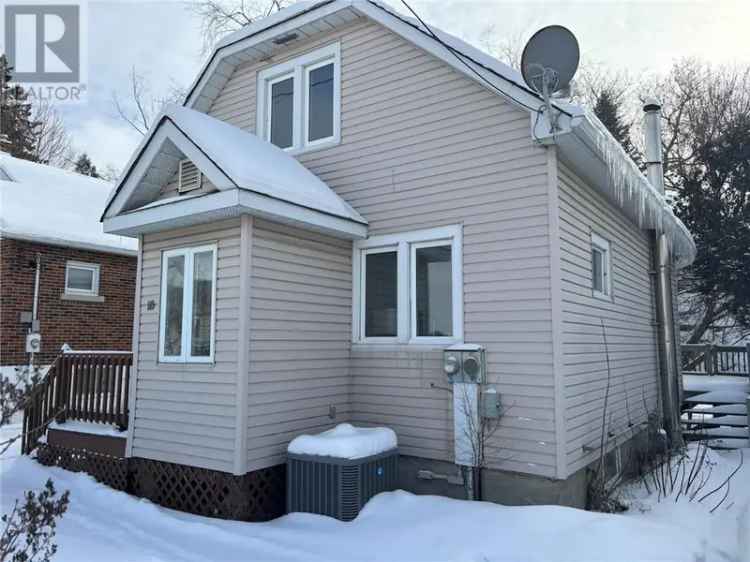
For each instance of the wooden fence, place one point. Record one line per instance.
(90, 387)
(716, 360)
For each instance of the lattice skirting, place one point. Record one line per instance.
(256, 496)
(111, 471)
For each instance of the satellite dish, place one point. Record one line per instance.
(550, 60)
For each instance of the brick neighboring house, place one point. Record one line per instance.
(86, 278)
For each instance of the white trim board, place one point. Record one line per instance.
(230, 203)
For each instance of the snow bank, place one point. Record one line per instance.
(345, 442)
(53, 206)
(102, 524)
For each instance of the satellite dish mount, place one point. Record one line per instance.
(549, 62)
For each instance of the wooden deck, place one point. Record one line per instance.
(88, 387)
(716, 404)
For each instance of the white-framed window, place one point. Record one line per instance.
(299, 101)
(601, 267)
(408, 287)
(82, 278)
(188, 305)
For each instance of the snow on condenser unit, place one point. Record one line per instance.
(325, 481)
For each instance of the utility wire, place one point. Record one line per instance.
(460, 56)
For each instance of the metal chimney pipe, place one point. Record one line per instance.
(669, 367)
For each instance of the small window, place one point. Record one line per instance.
(188, 302)
(81, 278)
(298, 101)
(281, 112)
(431, 282)
(600, 267)
(409, 287)
(381, 298)
(320, 102)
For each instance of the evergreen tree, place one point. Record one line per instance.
(18, 130)
(714, 203)
(84, 166)
(608, 111)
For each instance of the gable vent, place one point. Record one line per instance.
(189, 177)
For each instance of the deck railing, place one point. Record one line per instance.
(716, 360)
(88, 386)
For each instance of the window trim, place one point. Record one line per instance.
(299, 68)
(187, 306)
(603, 245)
(95, 268)
(405, 244)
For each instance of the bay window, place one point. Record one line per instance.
(188, 295)
(299, 101)
(408, 287)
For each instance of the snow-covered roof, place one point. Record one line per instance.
(53, 206)
(250, 176)
(345, 441)
(257, 165)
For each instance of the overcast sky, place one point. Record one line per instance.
(162, 41)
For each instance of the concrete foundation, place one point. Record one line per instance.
(508, 488)
(428, 476)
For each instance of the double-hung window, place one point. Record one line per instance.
(299, 101)
(188, 304)
(601, 267)
(408, 287)
(81, 279)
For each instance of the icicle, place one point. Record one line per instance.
(631, 190)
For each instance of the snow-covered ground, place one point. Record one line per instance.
(102, 524)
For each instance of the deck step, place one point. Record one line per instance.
(719, 397)
(724, 409)
(734, 421)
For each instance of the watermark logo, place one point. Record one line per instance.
(44, 46)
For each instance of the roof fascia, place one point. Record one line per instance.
(232, 202)
(213, 64)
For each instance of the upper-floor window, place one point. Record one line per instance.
(81, 279)
(408, 287)
(188, 296)
(299, 101)
(601, 267)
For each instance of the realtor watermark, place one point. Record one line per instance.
(46, 50)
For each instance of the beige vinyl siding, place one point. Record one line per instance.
(300, 331)
(424, 146)
(185, 413)
(628, 319)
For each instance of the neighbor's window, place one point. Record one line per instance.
(600, 267)
(298, 101)
(409, 287)
(81, 278)
(188, 289)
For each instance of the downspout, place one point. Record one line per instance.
(664, 296)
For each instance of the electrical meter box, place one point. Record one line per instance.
(464, 363)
